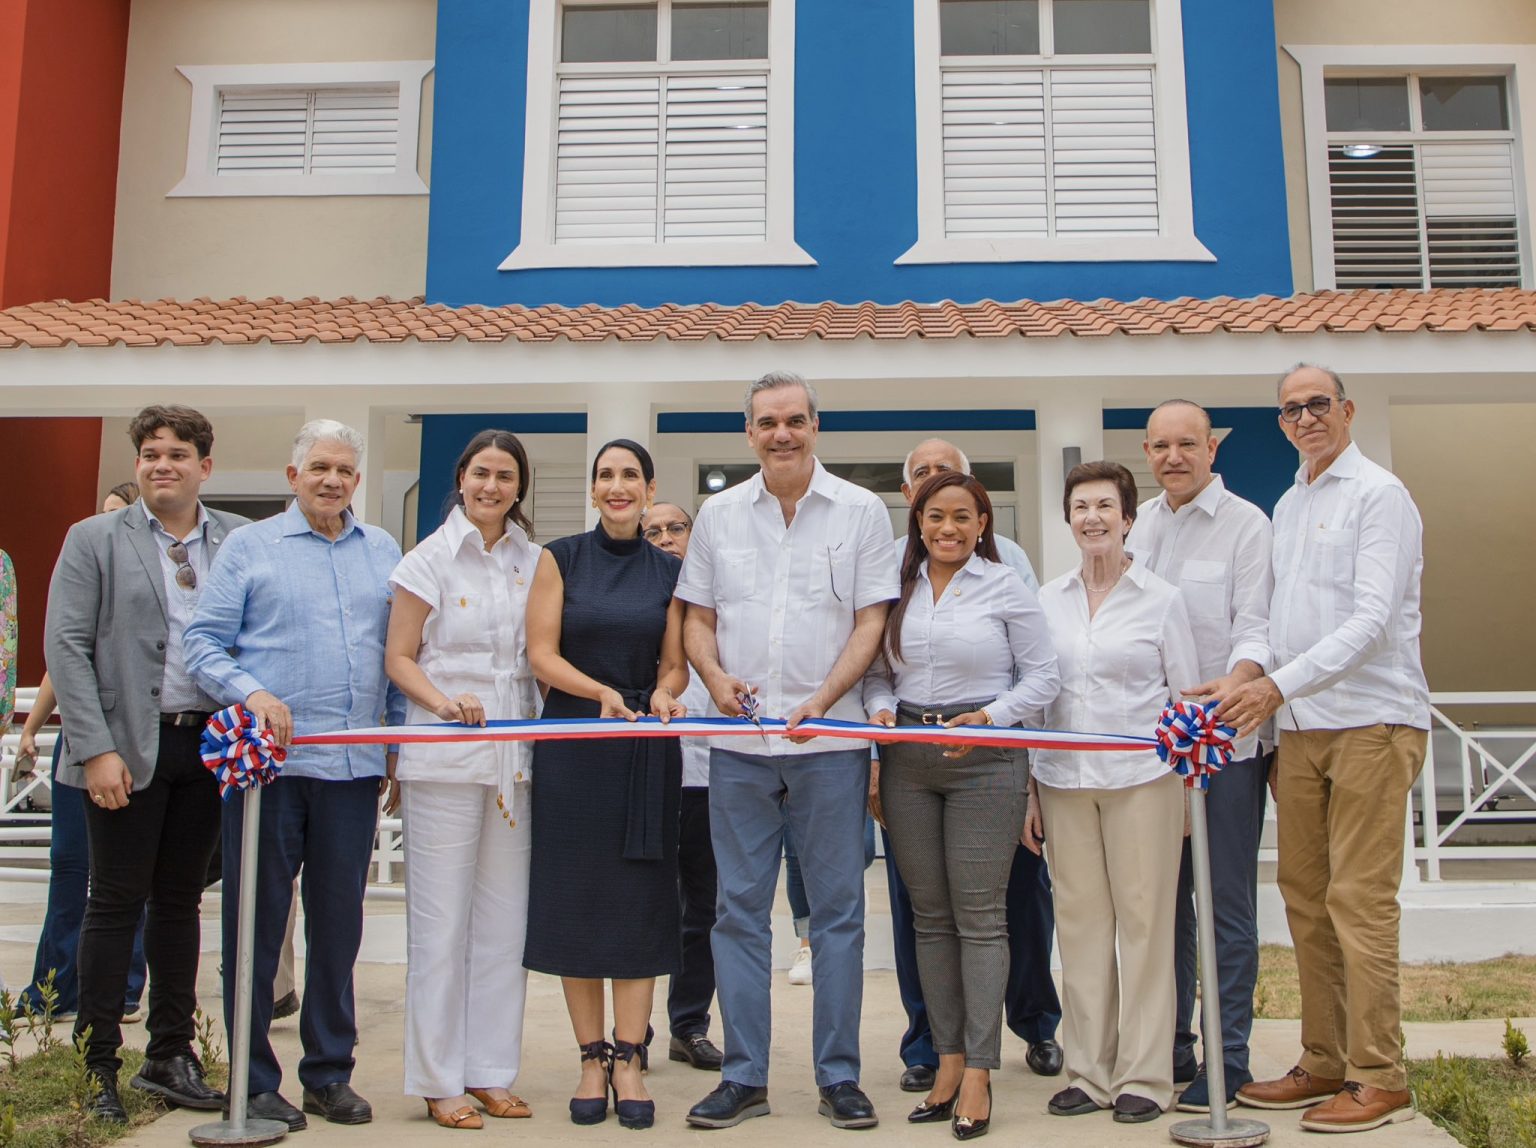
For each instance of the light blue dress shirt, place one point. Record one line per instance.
(291, 612)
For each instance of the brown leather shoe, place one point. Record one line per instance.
(1298, 1088)
(1358, 1107)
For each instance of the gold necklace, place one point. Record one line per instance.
(1101, 589)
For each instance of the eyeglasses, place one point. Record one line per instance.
(1319, 405)
(675, 529)
(186, 577)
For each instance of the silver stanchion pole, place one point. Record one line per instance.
(1218, 1128)
(237, 1128)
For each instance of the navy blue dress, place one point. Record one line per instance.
(602, 892)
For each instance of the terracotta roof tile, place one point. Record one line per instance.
(136, 323)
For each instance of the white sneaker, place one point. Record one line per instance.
(800, 969)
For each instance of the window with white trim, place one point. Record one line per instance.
(1052, 129)
(304, 129)
(659, 133)
(1422, 181)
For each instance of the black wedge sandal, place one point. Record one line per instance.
(594, 1109)
(632, 1113)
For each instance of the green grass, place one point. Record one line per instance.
(1484, 1103)
(38, 1093)
(1486, 990)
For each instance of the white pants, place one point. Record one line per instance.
(466, 914)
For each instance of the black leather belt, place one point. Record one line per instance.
(938, 715)
(185, 718)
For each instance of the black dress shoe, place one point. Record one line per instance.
(1071, 1102)
(1184, 1071)
(338, 1104)
(847, 1106)
(926, 1113)
(698, 1050)
(272, 1106)
(1044, 1058)
(107, 1105)
(285, 1006)
(728, 1105)
(970, 1127)
(178, 1079)
(1132, 1109)
(917, 1078)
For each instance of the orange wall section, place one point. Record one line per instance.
(61, 98)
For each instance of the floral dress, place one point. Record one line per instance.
(8, 631)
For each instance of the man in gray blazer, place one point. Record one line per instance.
(122, 594)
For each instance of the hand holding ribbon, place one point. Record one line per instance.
(1193, 742)
(241, 754)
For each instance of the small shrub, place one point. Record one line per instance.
(7, 1126)
(8, 1026)
(210, 1047)
(1261, 998)
(1450, 1097)
(1516, 1046)
(48, 993)
(84, 1088)
(1523, 1125)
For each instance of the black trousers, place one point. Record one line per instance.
(153, 851)
(692, 989)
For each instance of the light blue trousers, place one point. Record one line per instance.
(821, 797)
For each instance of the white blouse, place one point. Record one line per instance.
(474, 641)
(984, 639)
(1118, 670)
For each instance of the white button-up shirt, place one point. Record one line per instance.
(785, 596)
(1118, 670)
(696, 701)
(1345, 622)
(474, 641)
(984, 640)
(1217, 550)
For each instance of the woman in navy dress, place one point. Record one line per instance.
(607, 637)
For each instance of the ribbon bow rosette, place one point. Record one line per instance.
(1193, 743)
(240, 755)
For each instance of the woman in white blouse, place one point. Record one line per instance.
(966, 644)
(1114, 822)
(457, 649)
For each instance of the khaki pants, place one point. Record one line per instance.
(1341, 801)
(1114, 856)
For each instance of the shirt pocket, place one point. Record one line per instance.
(1336, 546)
(834, 574)
(1204, 586)
(736, 575)
(461, 621)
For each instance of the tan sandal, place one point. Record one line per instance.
(503, 1108)
(462, 1117)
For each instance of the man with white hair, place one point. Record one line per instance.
(302, 598)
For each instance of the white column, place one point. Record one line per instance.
(1071, 419)
(622, 410)
(368, 499)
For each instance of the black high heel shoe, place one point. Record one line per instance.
(967, 1128)
(632, 1113)
(926, 1113)
(594, 1110)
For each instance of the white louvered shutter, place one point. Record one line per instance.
(557, 501)
(262, 132)
(606, 160)
(1470, 218)
(298, 131)
(356, 131)
(1375, 207)
(1103, 152)
(994, 154)
(716, 166)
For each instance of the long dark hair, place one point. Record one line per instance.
(917, 551)
(642, 456)
(497, 440)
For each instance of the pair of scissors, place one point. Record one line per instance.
(749, 713)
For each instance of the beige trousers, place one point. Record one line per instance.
(1341, 800)
(1114, 856)
(284, 983)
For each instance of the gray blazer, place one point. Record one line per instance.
(105, 639)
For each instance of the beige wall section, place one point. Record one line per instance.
(1479, 613)
(328, 246)
(1373, 22)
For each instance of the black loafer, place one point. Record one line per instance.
(728, 1105)
(696, 1049)
(338, 1104)
(846, 1106)
(272, 1106)
(178, 1079)
(1071, 1102)
(1185, 1071)
(285, 1006)
(1045, 1058)
(107, 1104)
(917, 1078)
(1132, 1109)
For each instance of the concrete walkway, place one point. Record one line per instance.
(550, 1071)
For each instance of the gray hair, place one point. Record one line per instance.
(772, 381)
(1205, 415)
(1338, 383)
(324, 430)
(906, 467)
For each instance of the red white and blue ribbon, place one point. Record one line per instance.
(240, 755)
(1193, 743)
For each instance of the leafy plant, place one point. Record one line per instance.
(48, 993)
(84, 1087)
(1261, 997)
(1524, 1126)
(1450, 1097)
(1516, 1046)
(210, 1047)
(8, 1026)
(7, 1126)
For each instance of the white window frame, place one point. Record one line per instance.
(209, 80)
(1175, 241)
(537, 248)
(1319, 60)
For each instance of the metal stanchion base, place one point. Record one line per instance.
(253, 1132)
(1239, 1133)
